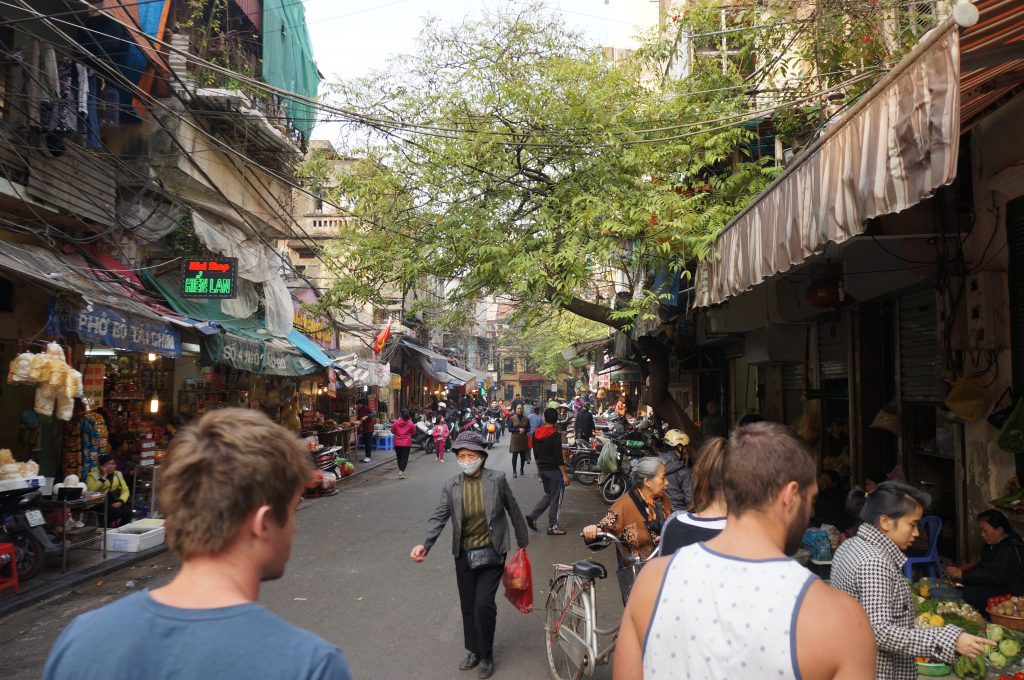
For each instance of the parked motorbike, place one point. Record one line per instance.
(629, 449)
(423, 437)
(22, 524)
(583, 462)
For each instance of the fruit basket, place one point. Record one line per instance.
(1011, 622)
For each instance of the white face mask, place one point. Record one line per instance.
(471, 468)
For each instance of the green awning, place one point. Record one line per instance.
(288, 61)
(245, 343)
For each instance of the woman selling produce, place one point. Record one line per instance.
(1001, 568)
(869, 567)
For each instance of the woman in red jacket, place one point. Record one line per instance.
(403, 429)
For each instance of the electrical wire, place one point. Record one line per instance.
(392, 124)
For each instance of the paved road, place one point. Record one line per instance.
(350, 580)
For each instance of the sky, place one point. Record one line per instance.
(355, 36)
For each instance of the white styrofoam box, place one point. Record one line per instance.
(21, 483)
(124, 539)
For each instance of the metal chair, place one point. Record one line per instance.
(933, 525)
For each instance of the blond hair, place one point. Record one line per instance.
(221, 468)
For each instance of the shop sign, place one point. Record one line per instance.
(314, 329)
(100, 325)
(279, 362)
(396, 382)
(604, 380)
(332, 377)
(93, 377)
(209, 277)
(625, 376)
(233, 351)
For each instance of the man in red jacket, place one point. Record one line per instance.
(547, 448)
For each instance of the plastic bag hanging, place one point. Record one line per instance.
(969, 399)
(518, 581)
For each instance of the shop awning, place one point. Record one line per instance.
(245, 343)
(96, 311)
(991, 59)
(892, 150)
(309, 348)
(439, 376)
(461, 374)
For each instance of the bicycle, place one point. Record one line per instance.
(570, 619)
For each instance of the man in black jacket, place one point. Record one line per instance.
(584, 426)
(547, 448)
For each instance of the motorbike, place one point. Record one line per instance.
(583, 462)
(423, 437)
(630, 448)
(23, 525)
(492, 431)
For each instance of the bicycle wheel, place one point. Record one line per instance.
(565, 629)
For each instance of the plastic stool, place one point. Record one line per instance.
(933, 525)
(383, 442)
(12, 580)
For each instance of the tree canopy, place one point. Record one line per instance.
(507, 156)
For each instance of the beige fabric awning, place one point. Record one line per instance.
(888, 153)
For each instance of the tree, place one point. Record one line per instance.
(508, 157)
(542, 334)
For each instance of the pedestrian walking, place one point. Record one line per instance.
(440, 436)
(708, 517)
(547, 444)
(247, 474)
(738, 606)
(869, 567)
(477, 501)
(367, 421)
(536, 420)
(403, 429)
(519, 440)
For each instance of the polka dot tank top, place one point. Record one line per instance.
(718, 616)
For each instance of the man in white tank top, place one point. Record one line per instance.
(738, 606)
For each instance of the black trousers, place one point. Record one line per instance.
(523, 456)
(119, 516)
(402, 454)
(367, 444)
(477, 589)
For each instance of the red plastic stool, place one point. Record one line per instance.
(12, 580)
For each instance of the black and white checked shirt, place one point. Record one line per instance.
(869, 567)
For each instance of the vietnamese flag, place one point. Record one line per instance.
(382, 339)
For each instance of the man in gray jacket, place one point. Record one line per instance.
(476, 500)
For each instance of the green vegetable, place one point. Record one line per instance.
(995, 633)
(997, 659)
(979, 664)
(1008, 648)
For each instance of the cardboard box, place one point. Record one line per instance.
(137, 536)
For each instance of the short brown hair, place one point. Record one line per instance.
(221, 468)
(707, 472)
(760, 459)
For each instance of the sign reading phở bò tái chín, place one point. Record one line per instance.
(209, 277)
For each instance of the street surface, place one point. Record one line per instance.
(350, 580)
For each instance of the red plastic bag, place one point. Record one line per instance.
(518, 581)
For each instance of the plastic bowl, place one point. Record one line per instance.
(933, 669)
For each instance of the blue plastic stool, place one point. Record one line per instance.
(383, 442)
(933, 525)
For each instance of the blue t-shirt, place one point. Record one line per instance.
(137, 637)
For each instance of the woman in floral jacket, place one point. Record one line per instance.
(638, 515)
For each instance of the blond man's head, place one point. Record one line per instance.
(221, 469)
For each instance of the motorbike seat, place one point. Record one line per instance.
(589, 570)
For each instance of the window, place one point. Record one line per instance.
(509, 365)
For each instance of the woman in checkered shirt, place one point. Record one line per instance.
(869, 567)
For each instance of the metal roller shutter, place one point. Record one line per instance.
(832, 353)
(793, 377)
(920, 359)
